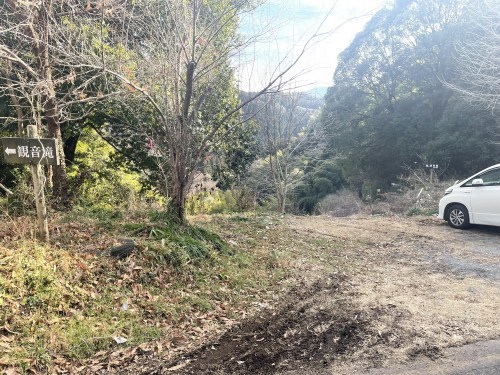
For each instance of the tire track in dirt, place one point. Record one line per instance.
(313, 329)
(301, 330)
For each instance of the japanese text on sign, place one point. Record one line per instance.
(30, 151)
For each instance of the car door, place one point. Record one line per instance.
(485, 199)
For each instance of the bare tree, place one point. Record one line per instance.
(42, 45)
(286, 135)
(478, 56)
(183, 56)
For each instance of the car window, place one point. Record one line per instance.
(489, 178)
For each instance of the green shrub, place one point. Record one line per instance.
(95, 181)
(22, 201)
(325, 179)
(216, 202)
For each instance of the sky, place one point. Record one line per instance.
(283, 28)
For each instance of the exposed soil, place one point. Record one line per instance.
(371, 292)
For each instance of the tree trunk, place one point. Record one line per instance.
(283, 199)
(59, 176)
(70, 148)
(179, 198)
(181, 183)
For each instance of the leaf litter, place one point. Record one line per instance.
(359, 292)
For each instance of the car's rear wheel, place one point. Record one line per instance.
(458, 216)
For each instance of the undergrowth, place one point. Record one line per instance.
(62, 303)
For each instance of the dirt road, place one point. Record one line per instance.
(373, 295)
(442, 287)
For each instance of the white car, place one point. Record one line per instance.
(475, 200)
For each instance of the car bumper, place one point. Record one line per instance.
(442, 206)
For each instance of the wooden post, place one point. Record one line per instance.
(39, 184)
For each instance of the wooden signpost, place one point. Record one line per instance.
(36, 152)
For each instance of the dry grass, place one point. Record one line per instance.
(341, 204)
(62, 303)
(412, 199)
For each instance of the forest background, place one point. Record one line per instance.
(148, 115)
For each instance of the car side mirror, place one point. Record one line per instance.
(477, 181)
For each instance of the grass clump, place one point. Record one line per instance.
(187, 243)
(84, 336)
(68, 300)
(38, 288)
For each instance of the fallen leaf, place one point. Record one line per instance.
(80, 369)
(178, 340)
(146, 348)
(10, 371)
(5, 345)
(178, 367)
(96, 368)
